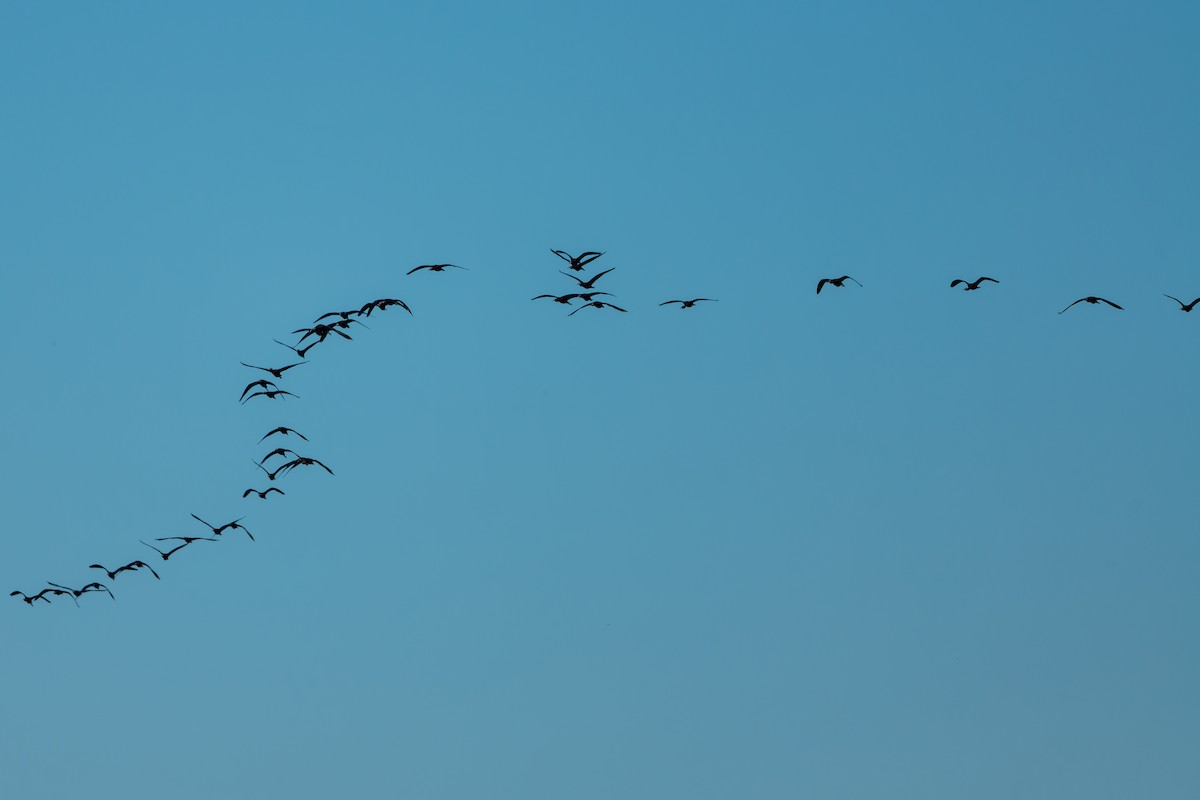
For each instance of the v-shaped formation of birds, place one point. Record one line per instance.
(339, 325)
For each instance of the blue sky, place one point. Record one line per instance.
(893, 540)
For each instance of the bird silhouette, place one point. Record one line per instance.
(590, 283)
(302, 351)
(594, 304)
(383, 304)
(970, 287)
(321, 330)
(175, 550)
(277, 372)
(687, 303)
(284, 432)
(1093, 301)
(30, 599)
(278, 451)
(301, 461)
(231, 526)
(263, 494)
(838, 282)
(565, 299)
(270, 395)
(264, 383)
(132, 566)
(434, 267)
(342, 314)
(185, 539)
(270, 475)
(1184, 306)
(91, 587)
(577, 262)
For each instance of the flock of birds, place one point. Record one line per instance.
(341, 321)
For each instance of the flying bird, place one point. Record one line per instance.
(301, 461)
(577, 262)
(1182, 305)
(565, 299)
(343, 314)
(132, 566)
(301, 351)
(1093, 301)
(91, 587)
(29, 599)
(383, 304)
(594, 304)
(174, 550)
(590, 283)
(263, 384)
(270, 475)
(687, 303)
(232, 526)
(321, 330)
(278, 373)
(270, 395)
(838, 282)
(970, 287)
(278, 451)
(434, 267)
(263, 494)
(284, 432)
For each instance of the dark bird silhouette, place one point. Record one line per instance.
(383, 304)
(687, 303)
(61, 590)
(838, 282)
(594, 304)
(270, 395)
(283, 431)
(263, 494)
(565, 299)
(278, 451)
(30, 599)
(270, 475)
(185, 539)
(132, 566)
(321, 331)
(278, 373)
(970, 287)
(174, 550)
(577, 262)
(1093, 301)
(434, 267)
(301, 461)
(342, 314)
(91, 587)
(1184, 306)
(264, 383)
(231, 526)
(590, 283)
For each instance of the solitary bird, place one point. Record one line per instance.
(175, 550)
(1093, 301)
(278, 373)
(687, 303)
(263, 384)
(594, 304)
(970, 287)
(284, 431)
(577, 262)
(132, 566)
(1182, 305)
(263, 494)
(838, 282)
(383, 304)
(590, 283)
(434, 267)
(270, 395)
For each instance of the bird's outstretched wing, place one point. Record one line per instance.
(956, 282)
(1080, 300)
(981, 280)
(668, 302)
(821, 283)
(1111, 303)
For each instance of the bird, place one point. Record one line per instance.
(577, 262)
(283, 431)
(594, 304)
(278, 451)
(565, 299)
(270, 395)
(185, 539)
(383, 304)
(264, 383)
(263, 494)
(838, 282)
(301, 351)
(132, 566)
(321, 330)
(590, 283)
(270, 475)
(434, 267)
(1182, 305)
(970, 287)
(91, 587)
(342, 314)
(1093, 301)
(175, 550)
(278, 373)
(29, 599)
(233, 526)
(687, 303)
(61, 590)
(301, 461)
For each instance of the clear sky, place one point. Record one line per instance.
(890, 541)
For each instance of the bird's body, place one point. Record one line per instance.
(970, 287)
(838, 282)
(1094, 301)
(687, 303)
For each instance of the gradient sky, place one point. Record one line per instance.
(890, 541)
